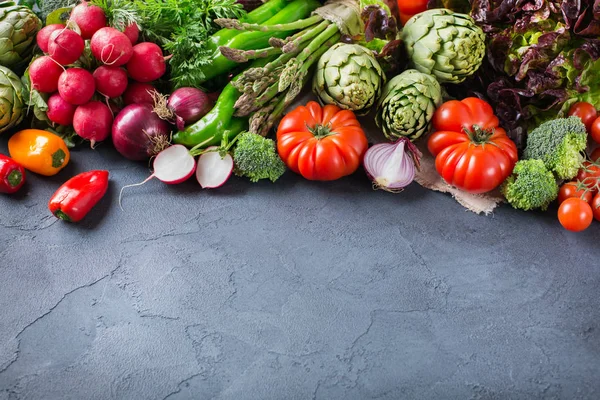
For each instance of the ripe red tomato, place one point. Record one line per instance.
(586, 111)
(321, 143)
(471, 152)
(596, 207)
(575, 215)
(574, 189)
(589, 175)
(595, 130)
(412, 7)
(595, 156)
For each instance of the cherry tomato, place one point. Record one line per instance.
(595, 155)
(596, 207)
(575, 215)
(595, 130)
(589, 175)
(574, 189)
(585, 111)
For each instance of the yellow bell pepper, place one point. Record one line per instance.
(39, 151)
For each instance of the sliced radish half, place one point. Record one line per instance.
(212, 171)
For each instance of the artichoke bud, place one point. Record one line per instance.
(445, 44)
(349, 76)
(407, 105)
(18, 29)
(12, 103)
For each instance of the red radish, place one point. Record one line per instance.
(213, 170)
(93, 121)
(133, 33)
(76, 85)
(173, 165)
(44, 35)
(44, 73)
(88, 18)
(138, 133)
(65, 46)
(111, 47)
(59, 110)
(139, 93)
(147, 62)
(110, 81)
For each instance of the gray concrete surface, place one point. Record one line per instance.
(294, 290)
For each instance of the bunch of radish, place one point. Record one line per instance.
(85, 99)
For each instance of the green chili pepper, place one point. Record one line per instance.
(255, 40)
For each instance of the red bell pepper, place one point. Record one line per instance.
(77, 196)
(12, 175)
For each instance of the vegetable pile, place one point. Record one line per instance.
(499, 95)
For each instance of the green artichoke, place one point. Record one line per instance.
(349, 76)
(407, 105)
(445, 44)
(18, 28)
(12, 103)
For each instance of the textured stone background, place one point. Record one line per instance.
(294, 290)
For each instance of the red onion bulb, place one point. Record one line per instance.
(392, 166)
(188, 105)
(138, 133)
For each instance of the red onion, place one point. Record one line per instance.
(391, 166)
(185, 106)
(138, 133)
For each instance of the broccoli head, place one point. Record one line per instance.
(560, 144)
(256, 157)
(530, 186)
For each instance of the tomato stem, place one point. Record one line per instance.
(320, 131)
(478, 135)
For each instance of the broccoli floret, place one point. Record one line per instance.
(255, 157)
(559, 143)
(530, 186)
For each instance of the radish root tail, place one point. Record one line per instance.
(132, 185)
(105, 59)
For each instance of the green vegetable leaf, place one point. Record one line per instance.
(59, 16)
(120, 13)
